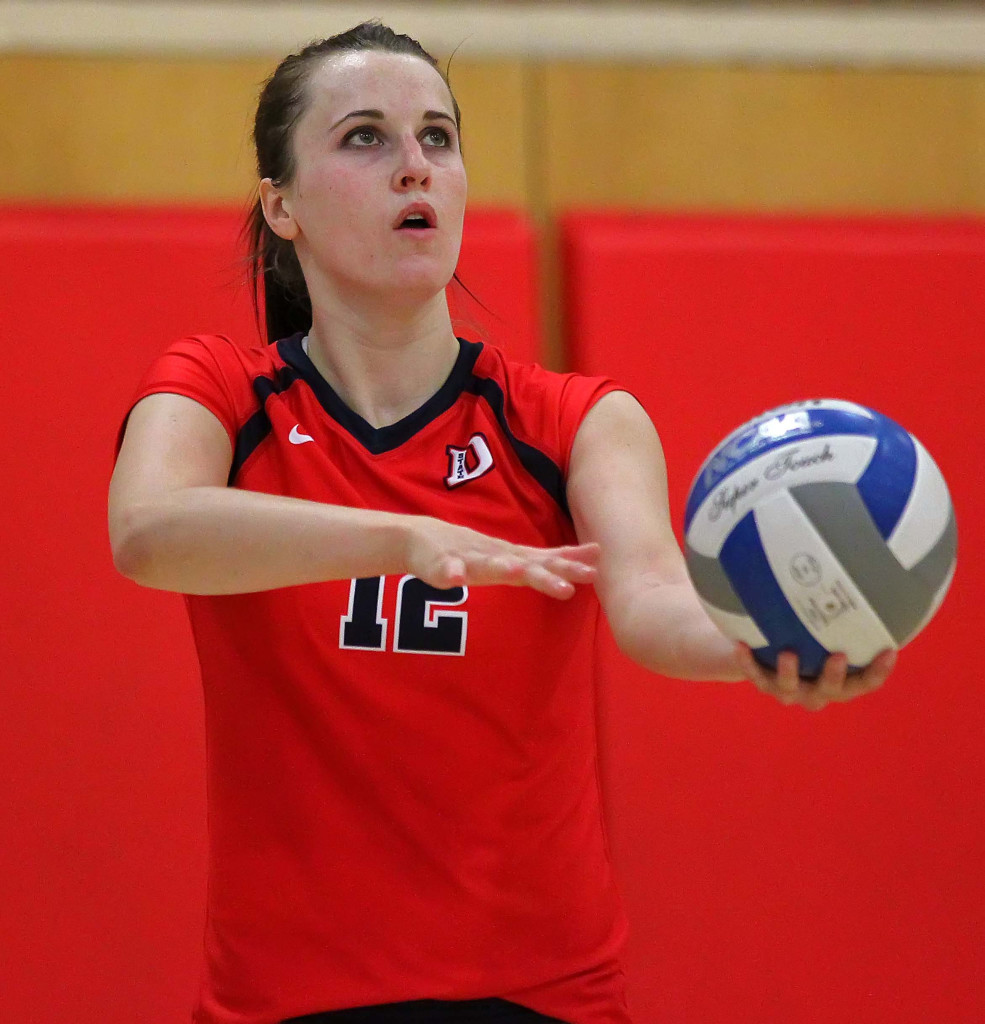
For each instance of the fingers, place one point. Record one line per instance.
(555, 572)
(552, 571)
(589, 554)
(784, 684)
(451, 572)
(877, 671)
(833, 685)
(572, 569)
(836, 685)
(551, 581)
(829, 685)
(787, 684)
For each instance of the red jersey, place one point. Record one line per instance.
(402, 781)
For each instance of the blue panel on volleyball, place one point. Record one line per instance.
(886, 484)
(745, 563)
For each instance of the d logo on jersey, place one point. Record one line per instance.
(468, 463)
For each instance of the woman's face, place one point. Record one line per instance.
(378, 195)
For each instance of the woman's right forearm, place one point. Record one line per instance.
(219, 540)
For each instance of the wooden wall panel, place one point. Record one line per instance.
(112, 129)
(763, 138)
(495, 99)
(541, 136)
(121, 129)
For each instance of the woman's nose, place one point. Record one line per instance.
(414, 170)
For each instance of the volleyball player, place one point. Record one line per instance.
(394, 545)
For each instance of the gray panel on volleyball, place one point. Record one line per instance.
(900, 597)
(711, 582)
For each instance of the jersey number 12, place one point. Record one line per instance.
(425, 625)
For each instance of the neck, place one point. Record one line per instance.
(383, 360)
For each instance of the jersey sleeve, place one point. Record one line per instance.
(200, 368)
(578, 395)
(543, 408)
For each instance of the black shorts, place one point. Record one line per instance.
(431, 1011)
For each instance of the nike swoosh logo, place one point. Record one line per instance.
(296, 437)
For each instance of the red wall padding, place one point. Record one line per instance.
(103, 816)
(780, 866)
(499, 266)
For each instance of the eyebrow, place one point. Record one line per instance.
(378, 115)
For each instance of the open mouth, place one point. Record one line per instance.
(419, 217)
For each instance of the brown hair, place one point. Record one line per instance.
(275, 273)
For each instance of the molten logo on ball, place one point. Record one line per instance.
(805, 569)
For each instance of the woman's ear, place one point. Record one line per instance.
(277, 210)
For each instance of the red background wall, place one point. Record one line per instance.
(777, 866)
(781, 866)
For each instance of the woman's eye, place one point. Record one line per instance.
(436, 137)
(362, 137)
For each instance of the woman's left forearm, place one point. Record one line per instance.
(663, 627)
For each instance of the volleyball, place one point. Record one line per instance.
(820, 527)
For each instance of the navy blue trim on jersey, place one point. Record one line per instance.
(462, 379)
(431, 1011)
(258, 426)
(377, 440)
(540, 466)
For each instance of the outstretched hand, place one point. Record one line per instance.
(833, 685)
(445, 555)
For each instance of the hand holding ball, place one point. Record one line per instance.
(820, 527)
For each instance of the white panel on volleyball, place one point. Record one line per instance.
(840, 458)
(735, 627)
(816, 584)
(925, 516)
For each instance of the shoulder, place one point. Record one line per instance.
(543, 403)
(214, 362)
(214, 371)
(224, 352)
(525, 382)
